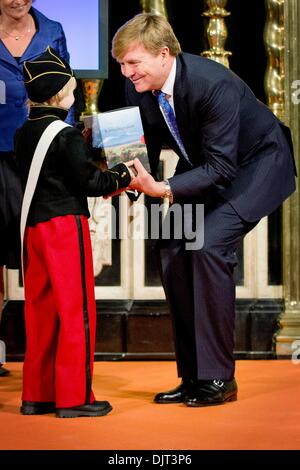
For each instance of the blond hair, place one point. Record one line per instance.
(56, 99)
(152, 31)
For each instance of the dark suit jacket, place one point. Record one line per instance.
(237, 146)
(13, 110)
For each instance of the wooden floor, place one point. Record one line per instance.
(266, 415)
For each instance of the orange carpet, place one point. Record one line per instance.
(266, 415)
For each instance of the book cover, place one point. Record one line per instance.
(119, 134)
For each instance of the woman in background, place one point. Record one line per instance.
(24, 34)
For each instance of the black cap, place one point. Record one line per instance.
(46, 75)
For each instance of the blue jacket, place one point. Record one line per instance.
(13, 110)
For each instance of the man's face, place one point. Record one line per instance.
(145, 70)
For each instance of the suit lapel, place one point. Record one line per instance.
(180, 92)
(148, 102)
(39, 42)
(180, 106)
(6, 56)
(35, 48)
(150, 105)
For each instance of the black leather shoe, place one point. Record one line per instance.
(212, 392)
(98, 408)
(3, 371)
(37, 407)
(176, 395)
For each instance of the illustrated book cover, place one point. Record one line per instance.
(119, 134)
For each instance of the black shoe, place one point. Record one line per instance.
(37, 407)
(176, 395)
(212, 392)
(3, 371)
(98, 408)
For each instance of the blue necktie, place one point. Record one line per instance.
(171, 120)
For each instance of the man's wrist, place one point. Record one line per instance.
(168, 192)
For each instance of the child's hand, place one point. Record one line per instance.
(116, 193)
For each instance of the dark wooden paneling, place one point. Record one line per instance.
(149, 333)
(242, 334)
(264, 324)
(143, 329)
(110, 333)
(12, 330)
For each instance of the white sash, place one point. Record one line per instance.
(37, 161)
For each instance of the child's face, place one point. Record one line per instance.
(67, 101)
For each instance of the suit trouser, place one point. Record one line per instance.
(60, 312)
(200, 290)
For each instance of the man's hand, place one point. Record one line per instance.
(131, 168)
(145, 183)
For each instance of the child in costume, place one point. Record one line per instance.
(60, 309)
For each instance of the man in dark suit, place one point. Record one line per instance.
(235, 157)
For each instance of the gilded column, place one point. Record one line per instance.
(274, 44)
(217, 31)
(91, 88)
(154, 6)
(288, 338)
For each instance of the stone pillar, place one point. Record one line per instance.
(288, 337)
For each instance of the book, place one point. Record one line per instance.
(119, 135)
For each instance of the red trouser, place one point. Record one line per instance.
(60, 312)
